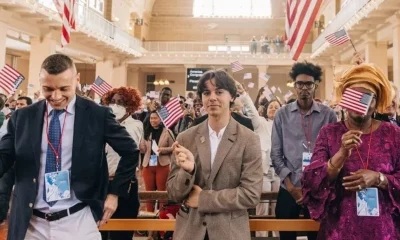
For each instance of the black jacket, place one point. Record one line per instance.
(240, 119)
(385, 118)
(94, 126)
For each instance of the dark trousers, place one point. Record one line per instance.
(6, 186)
(287, 208)
(128, 208)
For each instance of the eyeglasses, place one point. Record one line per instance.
(300, 85)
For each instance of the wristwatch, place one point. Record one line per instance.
(381, 179)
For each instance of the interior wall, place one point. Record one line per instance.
(201, 29)
(87, 73)
(22, 66)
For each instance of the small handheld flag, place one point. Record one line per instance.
(356, 101)
(100, 86)
(171, 112)
(10, 79)
(264, 76)
(338, 38)
(247, 76)
(236, 66)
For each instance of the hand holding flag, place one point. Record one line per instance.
(356, 101)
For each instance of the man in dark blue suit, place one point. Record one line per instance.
(57, 145)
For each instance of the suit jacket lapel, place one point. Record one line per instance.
(80, 127)
(203, 149)
(36, 128)
(224, 147)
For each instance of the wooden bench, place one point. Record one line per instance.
(163, 196)
(169, 224)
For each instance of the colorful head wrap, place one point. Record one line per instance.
(366, 76)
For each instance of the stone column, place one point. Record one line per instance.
(105, 70)
(41, 48)
(3, 37)
(119, 78)
(396, 51)
(376, 52)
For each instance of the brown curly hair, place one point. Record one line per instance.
(131, 96)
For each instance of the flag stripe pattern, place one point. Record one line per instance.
(66, 9)
(356, 101)
(338, 38)
(171, 112)
(100, 86)
(10, 79)
(236, 66)
(299, 21)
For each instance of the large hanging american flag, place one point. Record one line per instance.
(66, 9)
(356, 101)
(100, 86)
(300, 16)
(10, 79)
(171, 112)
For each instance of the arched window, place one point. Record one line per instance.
(232, 8)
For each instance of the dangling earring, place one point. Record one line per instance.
(374, 115)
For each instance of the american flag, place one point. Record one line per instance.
(100, 86)
(356, 101)
(236, 66)
(300, 16)
(338, 38)
(10, 79)
(66, 9)
(171, 112)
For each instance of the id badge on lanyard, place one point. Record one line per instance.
(306, 157)
(367, 201)
(57, 184)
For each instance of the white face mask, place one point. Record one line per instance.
(119, 111)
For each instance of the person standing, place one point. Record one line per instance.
(263, 128)
(123, 102)
(294, 132)
(156, 145)
(57, 146)
(216, 170)
(352, 185)
(8, 179)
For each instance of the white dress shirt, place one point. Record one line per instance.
(135, 129)
(66, 158)
(215, 139)
(3, 128)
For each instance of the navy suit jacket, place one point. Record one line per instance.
(94, 127)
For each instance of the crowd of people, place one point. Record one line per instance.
(267, 45)
(74, 161)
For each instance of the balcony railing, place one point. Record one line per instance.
(351, 8)
(215, 47)
(94, 21)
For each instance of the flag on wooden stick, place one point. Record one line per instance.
(171, 112)
(338, 38)
(100, 86)
(356, 101)
(236, 66)
(10, 79)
